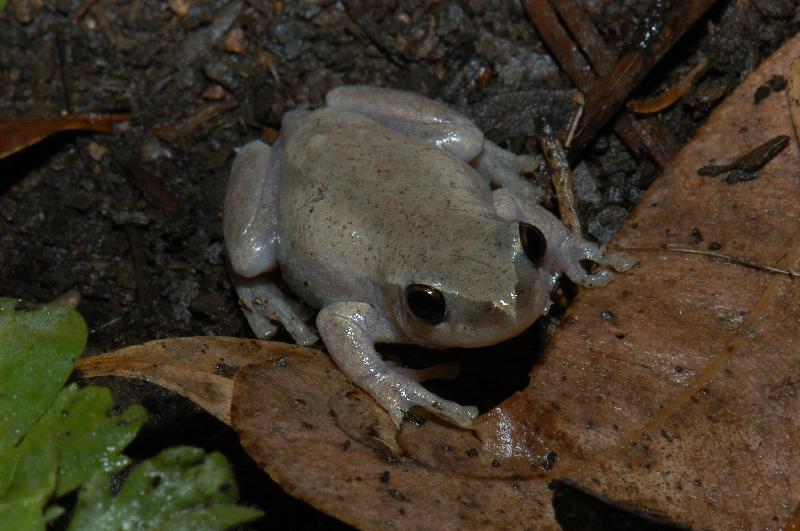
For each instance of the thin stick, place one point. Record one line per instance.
(615, 87)
(669, 97)
(562, 175)
(730, 258)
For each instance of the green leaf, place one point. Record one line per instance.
(33, 482)
(181, 488)
(2, 5)
(88, 438)
(38, 348)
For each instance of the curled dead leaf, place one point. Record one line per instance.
(200, 368)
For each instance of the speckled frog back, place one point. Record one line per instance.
(362, 204)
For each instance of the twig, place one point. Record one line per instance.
(151, 186)
(745, 167)
(63, 66)
(648, 133)
(609, 93)
(82, 10)
(669, 97)
(562, 175)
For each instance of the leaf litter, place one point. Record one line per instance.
(673, 390)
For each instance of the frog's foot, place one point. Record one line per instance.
(350, 331)
(397, 394)
(263, 302)
(575, 252)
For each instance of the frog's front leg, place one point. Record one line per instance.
(250, 226)
(564, 250)
(350, 331)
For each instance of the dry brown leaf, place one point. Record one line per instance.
(16, 136)
(199, 368)
(674, 389)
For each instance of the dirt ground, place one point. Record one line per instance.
(132, 220)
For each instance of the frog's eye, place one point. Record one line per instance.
(426, 303)
(533, 243)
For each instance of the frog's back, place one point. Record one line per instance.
(360, 202)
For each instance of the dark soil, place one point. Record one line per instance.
(98, 213)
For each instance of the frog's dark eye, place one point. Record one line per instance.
(426, 303)
(533, 243)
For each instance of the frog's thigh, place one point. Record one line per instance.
(565, 250)
(414, 114)
(250, 219)
(350, 331)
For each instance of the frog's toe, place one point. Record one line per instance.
(403, 396)
(619, 261)
(576, 251)
(456, 413)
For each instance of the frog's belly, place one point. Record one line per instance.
(360, 202)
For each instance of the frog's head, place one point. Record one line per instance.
(479, 292)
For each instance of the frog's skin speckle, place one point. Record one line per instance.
(379, 191)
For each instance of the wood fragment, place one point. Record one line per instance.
(670, 96)
(16, 136)
(578, 99)
(644, 133)
(562, 175)
(63, 69)
(173, 133)
(151, 186)
(615, 87)
(745, 167)
(82, 10)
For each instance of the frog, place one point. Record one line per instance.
(396, 219)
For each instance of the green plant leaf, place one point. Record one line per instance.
(181, 488)
(33, 482)
(38, 348)
(88, 438)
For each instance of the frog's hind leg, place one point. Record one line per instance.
(412, 114)
(251, 229)
(250, 223)
(505, 169)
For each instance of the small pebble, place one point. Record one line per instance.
(96, 151)
(214, 92)
(179, 7)
(234, 41)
